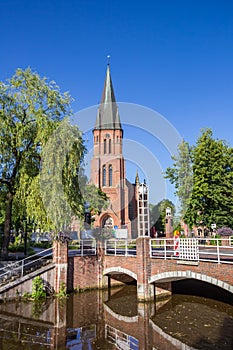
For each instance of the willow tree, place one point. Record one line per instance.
(30, 110)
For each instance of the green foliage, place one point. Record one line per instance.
(211, 197)
(59, 181)
(37, 308)
(26, 296)
(41, 179)
(30, 110)
(16, 247)
(181, 175)
(43, 245)
(158, 214)
(62, 291)
(38, 288)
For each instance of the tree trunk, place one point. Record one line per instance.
(7, 225)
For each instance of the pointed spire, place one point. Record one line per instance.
(137, 178)
(108, 115)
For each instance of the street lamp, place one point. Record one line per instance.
(25, 236)
(87, 216)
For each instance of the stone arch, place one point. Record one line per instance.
(118, 269)
(177, 275)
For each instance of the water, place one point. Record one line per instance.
(114, 320)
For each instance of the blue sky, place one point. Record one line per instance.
(172, 56)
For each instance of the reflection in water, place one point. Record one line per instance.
(114, 320)
(78, 338)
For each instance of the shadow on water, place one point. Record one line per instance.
(202, 289)
(202, 323)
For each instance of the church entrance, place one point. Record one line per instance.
(107, 222)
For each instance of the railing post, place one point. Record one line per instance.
(218, 252)
(22, 264)
(165, 249)
(81, 242)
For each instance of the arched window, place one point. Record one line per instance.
(109, 146)
(105, 146)
(110, 175)
(104, 176)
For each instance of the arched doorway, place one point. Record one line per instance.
(107, 222)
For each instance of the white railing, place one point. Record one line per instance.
(82, 247)
(21, 267)
(123, 247)
(208, 249)
(120, 339)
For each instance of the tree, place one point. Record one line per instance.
(208, 193)
(61, 181)
(64, 186)
(181, 175)
(30, 110)
(212, 195)
(158, 214)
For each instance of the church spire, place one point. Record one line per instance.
(108, 115)
(137, 178)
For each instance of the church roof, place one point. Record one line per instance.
(108, 115)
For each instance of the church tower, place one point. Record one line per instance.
(108, 164)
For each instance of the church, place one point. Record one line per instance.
(108, 170)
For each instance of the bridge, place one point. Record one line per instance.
(152, 264)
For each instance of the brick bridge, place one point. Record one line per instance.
(152, 264)
(152, 267)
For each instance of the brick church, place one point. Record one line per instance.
(108, 170)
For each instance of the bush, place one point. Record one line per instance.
(16, 247)
(38, 288)
(42, 245)
(225, 231)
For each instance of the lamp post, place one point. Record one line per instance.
(87, 216)
(25, 236)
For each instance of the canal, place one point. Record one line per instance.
(113, 319)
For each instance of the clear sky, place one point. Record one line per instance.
(172, 56)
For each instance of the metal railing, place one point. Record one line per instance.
(207, 249)
(19, 268)
(82, 247)
(124, 247)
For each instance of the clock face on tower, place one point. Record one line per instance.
(107, 136)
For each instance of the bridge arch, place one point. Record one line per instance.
(119, 269)
(178, 275)
(127, 319)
